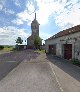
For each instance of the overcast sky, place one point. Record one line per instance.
(52, 15)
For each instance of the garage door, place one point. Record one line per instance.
(52, 49)
(68, 51)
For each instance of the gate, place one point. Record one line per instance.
(52, 49)
(68, 51)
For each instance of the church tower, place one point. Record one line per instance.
(35, 27)
(35, 32)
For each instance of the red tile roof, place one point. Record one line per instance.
(66, 32)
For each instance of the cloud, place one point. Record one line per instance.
(24, 16)
(43, 13)
(22, 33)
(45, 9)
(9, 34)
(8, 11)
(30, 7)
(3, 8)
(70, 14)
(6, 36)
(66, 12)
(17, 21)
(42, 35)
(17, 3)
(2, 4)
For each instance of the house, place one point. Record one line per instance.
(65, 44)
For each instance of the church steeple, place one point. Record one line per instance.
(35, 15)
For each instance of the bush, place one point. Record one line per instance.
(1, 47)
(76, 62)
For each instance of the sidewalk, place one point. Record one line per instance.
(67, 74)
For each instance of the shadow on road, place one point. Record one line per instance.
(9, 61)
(19, 56)
(66, 66)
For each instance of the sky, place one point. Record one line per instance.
(53, 16)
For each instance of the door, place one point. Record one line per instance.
(52, 49)
(68, 51)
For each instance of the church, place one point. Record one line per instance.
(35, 32)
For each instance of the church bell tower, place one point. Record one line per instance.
(35, 27)
(35, 32)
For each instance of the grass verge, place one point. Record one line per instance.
(6, 49)
(40, 51)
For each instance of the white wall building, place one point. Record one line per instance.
(65, 44)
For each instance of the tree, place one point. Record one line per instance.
(37, 42)
(1, 47)
(19, 40)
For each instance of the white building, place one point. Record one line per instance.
(65, 44)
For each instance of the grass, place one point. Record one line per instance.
(40, 51)
(76, 62)
(6, 49)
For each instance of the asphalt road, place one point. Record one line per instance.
(27, 76)
(28, 71)
(6, 67)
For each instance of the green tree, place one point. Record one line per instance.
(37, 42)
(19, 40)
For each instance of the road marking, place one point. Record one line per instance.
(56, 79)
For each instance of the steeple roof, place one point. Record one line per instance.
(35, 20)
(35, 15)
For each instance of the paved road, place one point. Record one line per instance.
(9, 61)
(31, 75)
(6, 67)
(68, 75)
(37, 73)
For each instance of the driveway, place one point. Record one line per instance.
(33, 74)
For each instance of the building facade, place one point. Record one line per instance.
(35, 32)
(65, 44)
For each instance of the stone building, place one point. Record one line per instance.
(65, 44)
(35, 32)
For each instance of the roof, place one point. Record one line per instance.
(66, 32)
(29, 37)
(35, 21)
